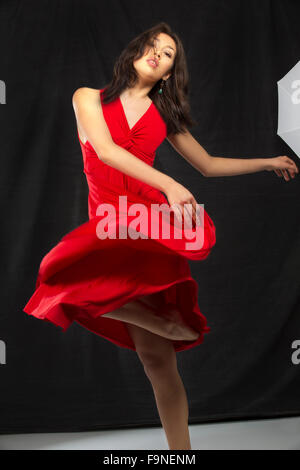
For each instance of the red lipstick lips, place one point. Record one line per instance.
(153, 61)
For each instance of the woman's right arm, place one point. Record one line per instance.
(89, 115)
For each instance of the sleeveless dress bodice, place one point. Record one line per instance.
(142, 140)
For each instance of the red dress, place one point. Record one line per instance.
(85, 275)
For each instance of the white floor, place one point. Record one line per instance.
(269, 434)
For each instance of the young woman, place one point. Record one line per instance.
(138, 292)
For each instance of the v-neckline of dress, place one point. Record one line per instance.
(138, 121)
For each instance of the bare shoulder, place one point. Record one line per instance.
(85, 94)
(90, 120)
(85, 100)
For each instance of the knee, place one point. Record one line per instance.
(154, 362)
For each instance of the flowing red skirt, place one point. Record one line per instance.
(90, 273)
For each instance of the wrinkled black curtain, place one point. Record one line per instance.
(249, 286)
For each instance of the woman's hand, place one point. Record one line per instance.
(283, 166)
(177, 196)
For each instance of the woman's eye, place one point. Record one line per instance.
(152, 43)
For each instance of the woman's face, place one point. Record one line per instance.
(162, 48)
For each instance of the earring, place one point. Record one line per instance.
(161, 86)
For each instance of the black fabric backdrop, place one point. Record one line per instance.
(249, 284)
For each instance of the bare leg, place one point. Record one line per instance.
(158, 357)
(172, 405)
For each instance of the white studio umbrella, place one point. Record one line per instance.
(289, 108)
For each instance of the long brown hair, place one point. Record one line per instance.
(172, 104)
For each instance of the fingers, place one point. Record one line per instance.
(293, 169)
(288, 173)
(177, 212)
(278, 173)
(283, 173)
(186, 211)
(290, 168)
(287, 168)
(188, 214)
(292, 173)
(193, 210)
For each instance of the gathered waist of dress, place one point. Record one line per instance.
(111, 193)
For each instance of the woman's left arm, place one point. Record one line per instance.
(188, 147)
